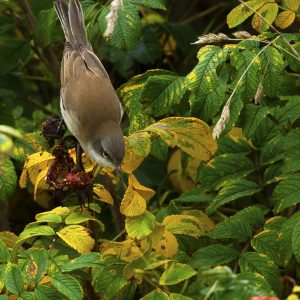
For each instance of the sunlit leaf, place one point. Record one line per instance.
(35, 164)
(285, 19)
(140, 226)
(77, 237)
(269, 12)
(176, 273)
(240, 13)
(191, 135)
(138, 146)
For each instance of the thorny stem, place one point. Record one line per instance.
(271, 26)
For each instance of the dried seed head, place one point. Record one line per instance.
(222, 121)
(242, 35)
(111, 17)
(211, 38)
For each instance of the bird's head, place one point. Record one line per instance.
(107, 146)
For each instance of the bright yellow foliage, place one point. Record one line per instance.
(77, 237)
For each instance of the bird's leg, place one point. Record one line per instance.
(79, 164)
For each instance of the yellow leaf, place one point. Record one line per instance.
(164, 242)
(136, 195)
(138, 146)
(60, 210)
(192, 223)
(77, 237)
(204, 222)
(145, 192)
(291, 4)
(40, 194)
(103, 194)
(127, 250)
(34, 165)
(133, 204)
(240, 13)
(8, 238)
(191, 135)
(183, 180)
(269, 12)
(285, 19)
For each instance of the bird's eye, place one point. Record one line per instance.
(105, 154)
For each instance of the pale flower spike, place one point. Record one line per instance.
(222, 121)
(111, 17)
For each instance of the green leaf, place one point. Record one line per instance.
(158, 4)
(81, 217)
(296, 241)
(208, 105)
(252, 117)
(272, 68)
(14, 53)
(269, 12)
(233, 190)
(87, 260)
(266, 130)
(35, 263)
(266, 243)
(35, 231)
(203, 79)
(236, 107)
(130, 93)
(196, 195)
(239, 226)
(191, 135)
(257, 280)
(4, 253)
(225, 167)
(261, 264)
(147, 50)
(6, 23)
(240, 13)
(176, 273)
(213, 255)
(140, 226)
(44, 292)
(127, 30)
(8, 178)
(175, 296)
(250, 81)
(109, 281)
(49, 218)
(287, 193)
(13, 279)
(156, 295)
(164, 91)
(68, 286)
(27, 296)
(46, 30)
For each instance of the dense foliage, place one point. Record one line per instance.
(207, 206)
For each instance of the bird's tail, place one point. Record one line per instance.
(71, 19)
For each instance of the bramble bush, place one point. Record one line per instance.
(207, 206)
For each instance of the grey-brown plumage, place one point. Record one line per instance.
(89, 104)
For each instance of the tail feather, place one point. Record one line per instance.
(71, 19)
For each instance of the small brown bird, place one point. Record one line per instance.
(88, 102)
